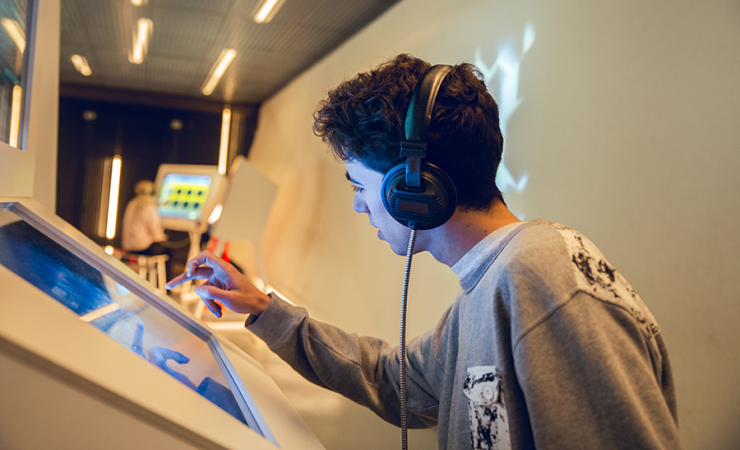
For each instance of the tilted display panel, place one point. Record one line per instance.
(113, 309)
(93, 320)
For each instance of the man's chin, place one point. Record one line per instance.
(393, 248)
(399, 248)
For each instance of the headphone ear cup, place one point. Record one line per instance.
(426, 208)
(391, 180)
(441, 188)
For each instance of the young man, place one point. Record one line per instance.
(546, 345)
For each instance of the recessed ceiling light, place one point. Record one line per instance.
(80, 63)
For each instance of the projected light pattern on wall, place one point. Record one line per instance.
(506, 93)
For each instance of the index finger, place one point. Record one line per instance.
(207, 258)
(201, 258)
(178, 280)
(201, 273)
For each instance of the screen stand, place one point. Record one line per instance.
(187, 296)
(194, 243)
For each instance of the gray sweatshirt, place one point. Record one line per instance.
(545, 346)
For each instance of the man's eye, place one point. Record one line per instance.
(357, 188)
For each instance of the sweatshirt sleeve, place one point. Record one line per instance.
(592, 379)
(363, 369)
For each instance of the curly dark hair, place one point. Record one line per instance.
(363, 120)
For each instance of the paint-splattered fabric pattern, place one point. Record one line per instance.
(545, 347)
(596, 276)
(489, 422)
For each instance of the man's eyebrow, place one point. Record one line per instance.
(346, 175)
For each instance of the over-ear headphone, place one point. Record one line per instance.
(420, 195)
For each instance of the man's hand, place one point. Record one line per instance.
(223, 283)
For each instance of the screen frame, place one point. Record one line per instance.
(98, 260)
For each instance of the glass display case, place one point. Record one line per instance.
(146, 325)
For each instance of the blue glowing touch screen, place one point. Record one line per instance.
(113, 309)
(52, 268)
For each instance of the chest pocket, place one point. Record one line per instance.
(489, 421)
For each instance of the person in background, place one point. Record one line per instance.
(142, 229)
(546, 346)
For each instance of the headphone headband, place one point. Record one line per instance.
(419, 194)
(418, 118)
(419, 112)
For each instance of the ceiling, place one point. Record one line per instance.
(189, 35)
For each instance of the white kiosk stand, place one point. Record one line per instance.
(84, 350)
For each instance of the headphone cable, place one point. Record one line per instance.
(402, 346)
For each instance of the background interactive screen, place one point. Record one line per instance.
(182, 196)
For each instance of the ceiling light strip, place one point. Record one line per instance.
(267, 10)
(16, 34)
(141, 41)
(15, 116)
(104, 194)
(218, 70)
(223, 151)
(115, 182)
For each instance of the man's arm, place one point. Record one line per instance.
(592, 379)
(363, 369)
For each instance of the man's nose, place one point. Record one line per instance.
(359, 204)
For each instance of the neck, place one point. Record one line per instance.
(465, 229)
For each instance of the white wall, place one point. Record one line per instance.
(629, 131)
(32, 172)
